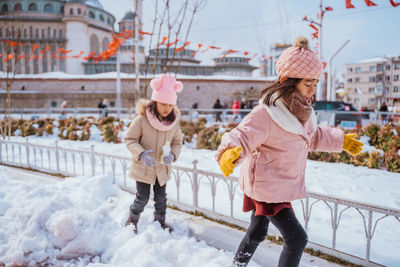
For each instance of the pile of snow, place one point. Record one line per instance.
(80, 222)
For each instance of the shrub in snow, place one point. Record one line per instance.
(28, 129)
(110, 133)
(209, 138)
(48, 128)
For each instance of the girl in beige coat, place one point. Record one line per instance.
(154, 129)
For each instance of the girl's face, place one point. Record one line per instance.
(307, 87)
(164, 109)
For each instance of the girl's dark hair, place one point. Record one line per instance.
(153, 109)
(285, 88)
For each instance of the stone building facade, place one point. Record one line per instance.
(77, 25)
(369, 83)
(86, 92)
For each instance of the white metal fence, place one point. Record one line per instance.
(226, 115)
(212, 193)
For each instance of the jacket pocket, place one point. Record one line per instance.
(252, 168)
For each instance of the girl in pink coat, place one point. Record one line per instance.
(272, 143)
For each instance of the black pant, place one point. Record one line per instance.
(293, 234)
(143, 194)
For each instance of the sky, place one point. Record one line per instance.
(257, 25)
(85, 215)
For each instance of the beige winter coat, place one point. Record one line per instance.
(142, 136)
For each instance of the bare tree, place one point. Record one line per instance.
(12, 49)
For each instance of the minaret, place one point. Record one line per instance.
(76, 24)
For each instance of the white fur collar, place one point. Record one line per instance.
(285, 119)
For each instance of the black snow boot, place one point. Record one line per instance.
(244, 253)
(161, 219)
(133, 219)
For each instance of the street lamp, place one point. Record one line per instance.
(331, 94)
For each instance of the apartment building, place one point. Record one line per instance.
(370, 82)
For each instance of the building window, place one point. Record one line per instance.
(18, 7)
(109, 21)
(30, 32)
(60, 34)
(371, 101)
(397, 66)
(372, 79)
(396, 89)
(37, 33)
(4, 8)
(43, 33)
(197, 88)
(101, 17)
(54, 33)
(62, 9)
(349, 69)
(380, 68)
(94, 44)
(48, 8)
(387, 78)
(79, 11)
(71, 11)
(371, 90)
(91, 15)
(1, 32)
(380, 78)
(358, 69)
(53, 104)
(395, 77)
(350, 80)
(25, 33)
(387, 67)
(357, 80)
(32, 7)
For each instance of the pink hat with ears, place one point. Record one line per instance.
(165, 89)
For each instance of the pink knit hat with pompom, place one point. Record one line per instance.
(299, 61)
(165, 89)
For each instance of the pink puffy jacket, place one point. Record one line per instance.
(275, 146)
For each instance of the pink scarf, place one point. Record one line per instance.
(157, 124)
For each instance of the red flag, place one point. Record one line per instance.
(245, 53)
(144, 33)
(315, 35)
(198, 49)
(48, 47)
(369, 3)
(394, 4)
(34, 47)
(66, 51)
(182, 47)
(250, 58)
(305, 18)
(163, 40)
(323, 64)
(328, 8)
(230, 51)
(348, 4)
(21, 56)
(171, 44)
(312, 26)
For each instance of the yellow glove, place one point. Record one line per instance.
(227, 160)
(352, 145)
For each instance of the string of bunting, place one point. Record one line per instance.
(120, 38)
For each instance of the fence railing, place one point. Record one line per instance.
(225, 115)
(222, 192)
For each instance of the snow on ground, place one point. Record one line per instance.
(377, 187)
(80, 222)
